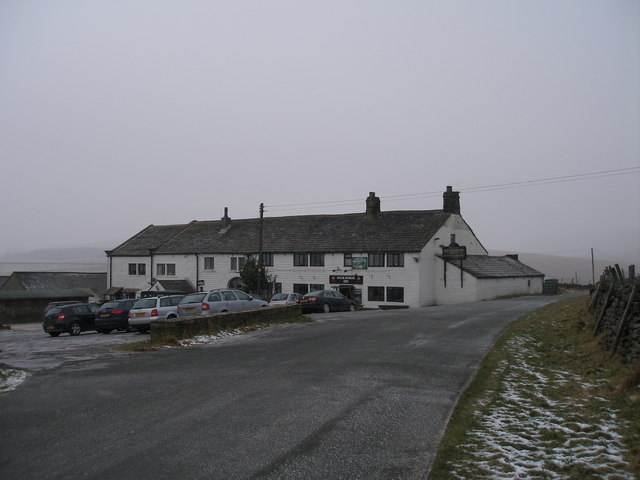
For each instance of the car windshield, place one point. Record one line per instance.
(146, 303)
(193, 298)
(109, 305)
(279, 296)
(316, 293)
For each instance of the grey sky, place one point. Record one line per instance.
(118, 114)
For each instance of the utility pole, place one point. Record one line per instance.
(260, 268)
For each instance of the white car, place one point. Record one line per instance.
(285, 299)
(216, 301)
(146, 310)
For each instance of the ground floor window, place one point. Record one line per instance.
(376, 294)
(277, 287)
(316, 286)
(301, 288)
(395, 294)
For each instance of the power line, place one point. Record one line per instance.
(483, 188)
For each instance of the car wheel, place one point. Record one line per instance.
(326, 308)
(74, 329)
(352, 308)
(54, 334)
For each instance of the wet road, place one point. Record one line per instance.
(351, 395)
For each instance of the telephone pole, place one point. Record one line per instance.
(260, 268)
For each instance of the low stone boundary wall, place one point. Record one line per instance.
(616, 310)
(188, 327)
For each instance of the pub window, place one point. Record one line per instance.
(301, 288)
(316, 259)
(395, 259)
(376, 294)
(209, 263)
(348, 260)
(395, 294)
(267, 259)
(133, 269)
(142, 269)
(237, 263)
(376, 260)
(277, 288)
(160, 269)
(316, 286)
(300, 260)
(171, 269)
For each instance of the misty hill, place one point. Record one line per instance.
(58, 255)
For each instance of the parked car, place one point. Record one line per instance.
(146, 310)
(74, 318)
(50, 305)
(114, 315)
(216, 301)
(285, 298)
(326, 301)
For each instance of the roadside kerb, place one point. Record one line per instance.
(172, 329)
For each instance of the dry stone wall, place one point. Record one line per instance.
(615, 307)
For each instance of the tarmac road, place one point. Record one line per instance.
(358, 395)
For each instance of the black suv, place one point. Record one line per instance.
(73, 319)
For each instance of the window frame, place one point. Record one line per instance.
(300, 260)
(391, 297)
(209, 263)
(395, 259)
(316, 259)
(379, 292)
(378, 256)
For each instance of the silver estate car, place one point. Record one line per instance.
(216, 301)
(285, 299)
(146, 310)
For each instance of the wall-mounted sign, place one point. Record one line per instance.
(359, 263)
(454, 252)
(346, 279)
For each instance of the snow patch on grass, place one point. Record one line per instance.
(527, 434)
(204, 339)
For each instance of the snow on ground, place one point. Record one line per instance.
(527, 435)
(11, 379)
(204, 339)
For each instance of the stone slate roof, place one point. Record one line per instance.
(150, 238)
(402, 231)
(96, 282)
(484, 266)
(176, 286)
(46, 293)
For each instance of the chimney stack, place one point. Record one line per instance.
(373, 204)
(226, 218)
(451, 201)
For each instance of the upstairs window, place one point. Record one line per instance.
(237, 263)
(316, 259)
(166, 269)
(137, 269)
(348, 260)
(376, 259)
(300, 260)
(209, 263)
(267, 259)
(395, 259)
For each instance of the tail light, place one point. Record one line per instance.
(313, 299)
(206, 307)
(117, 312)
(154, 312)
(129, 314)
(61, 316)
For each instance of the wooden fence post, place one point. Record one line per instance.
(592, 303)
(623, 321)
(604, 308)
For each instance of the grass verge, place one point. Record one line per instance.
(148, 345)
(547, 402)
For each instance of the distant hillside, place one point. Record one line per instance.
(58, 255)
(565, 269)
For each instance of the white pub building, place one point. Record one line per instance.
(407, 258)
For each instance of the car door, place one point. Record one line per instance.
(86, 316)
(244, 301)
(229, 300)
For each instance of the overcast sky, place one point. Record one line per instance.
(123, 113)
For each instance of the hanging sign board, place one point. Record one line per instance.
(454, 252)
(359, 263)
(346, 279)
